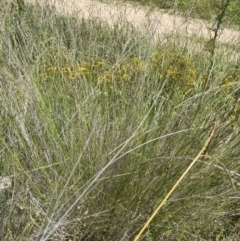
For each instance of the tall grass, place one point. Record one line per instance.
(97, 124)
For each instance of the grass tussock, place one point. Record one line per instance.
(97, 124)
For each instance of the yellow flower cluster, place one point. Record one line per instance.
(71, 71)
(98, 71)
(175, 66)
(232, 75)
(120, 74)
(172, 65)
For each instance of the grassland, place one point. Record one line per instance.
(204, 9)
(97, 124)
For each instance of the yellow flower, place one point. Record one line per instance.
(125, 76)
(81, 69)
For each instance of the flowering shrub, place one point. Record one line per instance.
(232, 75)
(98, 71)
(175, 66)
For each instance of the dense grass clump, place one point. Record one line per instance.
(97, 125)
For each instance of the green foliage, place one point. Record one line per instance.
(169, 64)
(96, 126)
(176, 67)
(206, 9)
